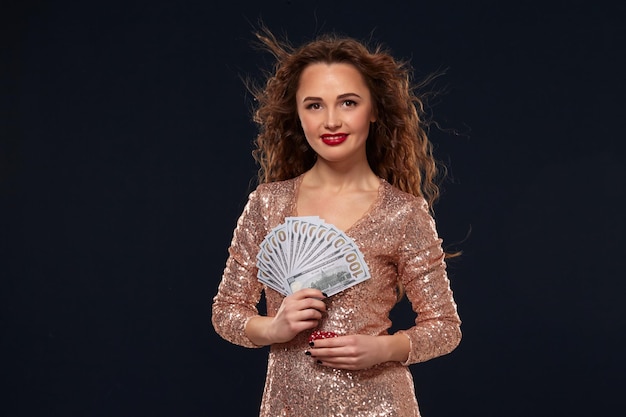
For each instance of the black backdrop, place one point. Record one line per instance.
(125, 161)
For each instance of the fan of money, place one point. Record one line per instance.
(307, 252)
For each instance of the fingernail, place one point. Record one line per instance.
(319, 362)
(306, 352)
(311, 344)
(324, 294)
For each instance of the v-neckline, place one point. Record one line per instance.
(357, 222)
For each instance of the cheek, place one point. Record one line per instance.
(301, 119)
(306, 124)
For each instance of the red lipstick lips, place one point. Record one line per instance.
(336, 139)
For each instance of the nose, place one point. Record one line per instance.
(332, 120)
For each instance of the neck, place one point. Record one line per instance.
(341, 178)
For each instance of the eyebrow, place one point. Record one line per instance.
(339, 97)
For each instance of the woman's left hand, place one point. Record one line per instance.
(352, 352)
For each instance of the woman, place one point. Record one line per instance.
(341, 137)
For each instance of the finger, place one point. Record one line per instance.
(314, 304)
(305, 303)
(297, 303)
(310, 293)
(338, 363)
(329, 353)
(330, 342)
(308, 314)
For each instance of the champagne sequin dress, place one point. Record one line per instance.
(399, 242)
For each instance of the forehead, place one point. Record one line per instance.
(339, 78)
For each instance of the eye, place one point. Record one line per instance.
(349, 103)
(313, 106)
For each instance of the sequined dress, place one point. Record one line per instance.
(399, 241)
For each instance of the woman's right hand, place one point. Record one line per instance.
(299, 311)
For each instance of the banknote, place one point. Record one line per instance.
(307, 252)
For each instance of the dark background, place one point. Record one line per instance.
(125, 162)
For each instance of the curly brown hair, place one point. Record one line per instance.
(398, 147)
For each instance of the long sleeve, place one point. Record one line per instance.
(239, 291)
(422, 271)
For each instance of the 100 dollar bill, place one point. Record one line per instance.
(341, 271)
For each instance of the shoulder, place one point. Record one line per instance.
(274, 189)
(267, 205)
(405, 210)
(402, 200)
(410, 214)
(273, 195)
(274, 186)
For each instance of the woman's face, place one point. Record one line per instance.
(335, 109)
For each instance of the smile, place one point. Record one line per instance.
(333, 140)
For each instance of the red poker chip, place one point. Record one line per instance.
(319, 334)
